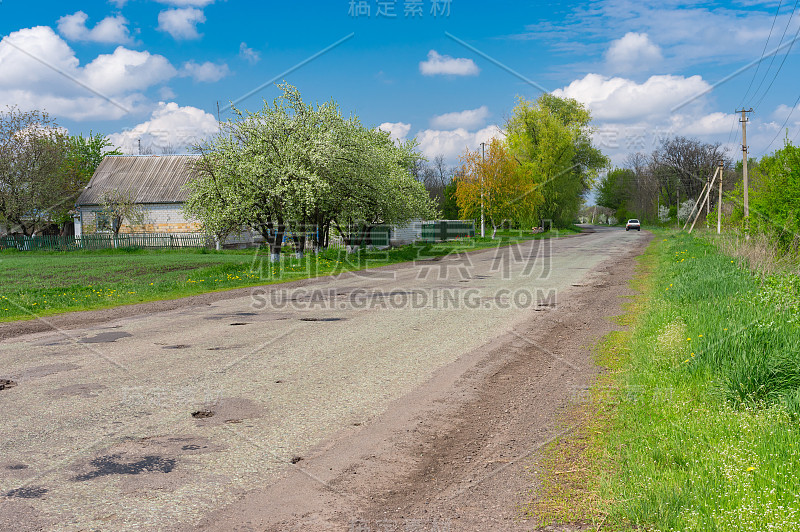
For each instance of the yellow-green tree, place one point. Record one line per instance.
(497, 184)
(551, 140)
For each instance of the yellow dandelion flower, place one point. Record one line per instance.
(751, 468)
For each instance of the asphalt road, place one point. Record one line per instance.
(99, 432)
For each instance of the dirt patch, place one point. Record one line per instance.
(45, 370)
(228, 410)
(77, 390)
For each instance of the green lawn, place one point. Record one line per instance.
(696, 424)
(42, 283)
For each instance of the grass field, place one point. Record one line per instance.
(695, 426)
(42, 283)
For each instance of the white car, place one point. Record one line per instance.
(633, 223)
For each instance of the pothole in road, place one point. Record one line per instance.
(6, 383)
(16, 467)
(296, 459)
(106, 337)
(239, 323)
(202, 414)
(27, 492)
(113, 465)
(322, 319)
(178, 346)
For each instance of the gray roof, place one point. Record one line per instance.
(151, 178)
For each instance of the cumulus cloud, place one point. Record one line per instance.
(181, 23)
(444, 64)
(709, 124)
(634, 52)
(207, 72)
(248, 54)
(41, 71)
(109, 30)
(469, 119)
(620, 99)
(170, 126)
(453, 143)
(127, 70)
(397, 130)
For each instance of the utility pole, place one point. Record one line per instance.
(719, 201)
(140, 146)
(743, 120)
(483, 162)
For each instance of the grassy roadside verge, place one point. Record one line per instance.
(45, 283)
(695, 425)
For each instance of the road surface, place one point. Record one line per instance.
(314, 405)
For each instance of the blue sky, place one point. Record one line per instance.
(155, 70)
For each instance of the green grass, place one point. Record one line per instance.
(704, 392)
(706, 436)
(44, 283)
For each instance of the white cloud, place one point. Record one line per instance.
(166, 93)
(710, 124)
(689, 33)
(108, 30)
(469, 119)
(185, 3)
(127, 70)
(169, 126)
(634, 52)
(248, 54)
(41, 71)
(453, 143)
(622, 99)
(181, 23)
(444, 64)
(207, 72)
(397, 130)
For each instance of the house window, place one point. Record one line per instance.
(103, 222)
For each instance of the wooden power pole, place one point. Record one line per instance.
(719, 201)
(745, 184)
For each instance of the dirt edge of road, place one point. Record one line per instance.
(84, 318)
(460, 452)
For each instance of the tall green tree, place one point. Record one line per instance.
(32, 149)
(294, 166)
(775, 198)
(81, 158)
(42, 169)
(615, 190)
(551, 139)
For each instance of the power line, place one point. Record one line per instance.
(796, 35)
(764, 51)
(772, 60)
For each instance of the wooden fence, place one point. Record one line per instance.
(106, 241)
(443, 230)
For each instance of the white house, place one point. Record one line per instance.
(155, 181)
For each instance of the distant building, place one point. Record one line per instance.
(155, 181)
